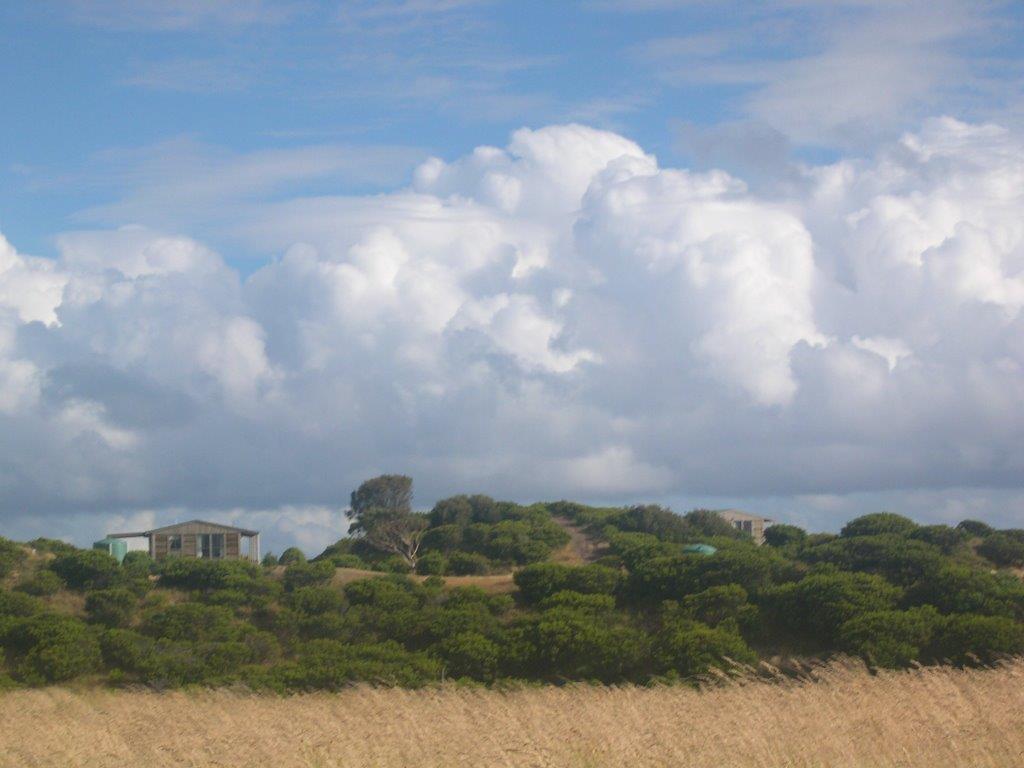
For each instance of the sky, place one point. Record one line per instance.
(757, 254)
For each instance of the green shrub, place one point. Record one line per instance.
(84, 569)
(891, 638)
(541, 580)
(815, 608)
(114, 607)
(49, 648)
(959, 589)
(900, 559)
(468, 564)
(431, 564)
(330, 665)
(191, 622)
(877, 524)
(18, 604)
(725, 604)
(11, 555)
(52, 546)
(469, 654)
(975, 528)
(138, 564)
(781, 535)
(316, 600)
(291, 556)
(969, 639)
(688, 648)
(1002, 549)
(42, 583)
(944, 537)
(566, 643)
(394, 564)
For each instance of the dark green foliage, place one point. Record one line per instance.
(891, 638)
(670, 578)
(52, 546)
(576, 643)
(662, 523)
(504, 533)
(1003, 549)
(944, 537)
(468, 564)
(307, 575)
(331, 665)
(11, 555)
(469, 654)
(705, 523)
(84, 569)
(815, 608)
(269, 560)
(192, 622)
(634, 548)
(114, 607)
(392, 492)
(889, 591)
(975, 528)
(689, 648)
(18, 604)
(542, 580)
(463, 510)
(316, 600)
(666, 525)
(900, 559)
(781, 535)
(42, 583)
(960, 589)
(291, 556)
(49, 648)
(139, 564)
(967, 639)
(879, 523)
(237, 581)
(723, 605)
(432, 563)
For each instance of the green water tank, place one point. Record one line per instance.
(114, 547)
(699, 549)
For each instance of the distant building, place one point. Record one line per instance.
(198, 539)
(752, 525)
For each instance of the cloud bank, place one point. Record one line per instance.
(561, 317)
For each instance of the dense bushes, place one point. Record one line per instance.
(10, 555)
(86, 569)
(887, 590)
(49, 648)
(536, 582)
(1004, 548)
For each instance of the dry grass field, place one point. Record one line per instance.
(928, 718)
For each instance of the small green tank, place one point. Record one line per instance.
(699, 549)
(117, 548)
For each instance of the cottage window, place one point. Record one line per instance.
(173, 544)
(211, 545)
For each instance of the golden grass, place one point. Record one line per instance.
(929, 718)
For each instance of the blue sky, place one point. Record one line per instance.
(744, 253)
(95, 88)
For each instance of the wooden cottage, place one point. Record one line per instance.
(199, 539)
(752, 525)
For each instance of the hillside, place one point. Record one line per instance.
(500, 592)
